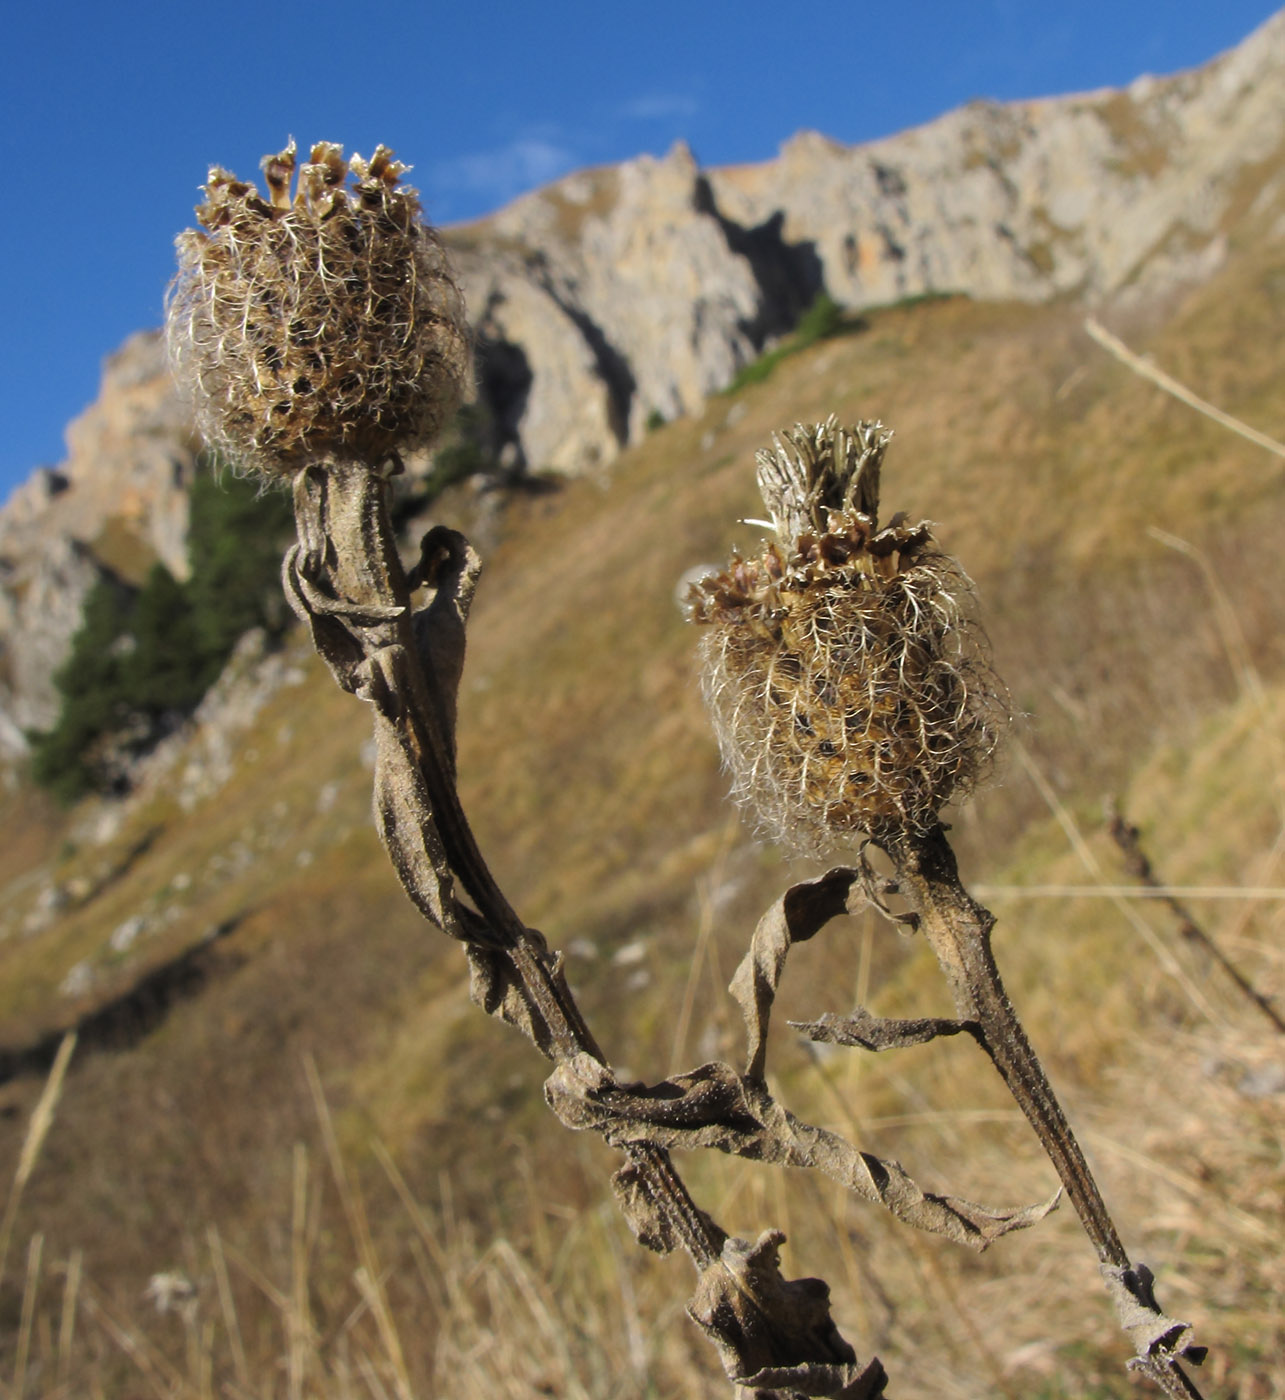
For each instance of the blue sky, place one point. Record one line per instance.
(112, 114)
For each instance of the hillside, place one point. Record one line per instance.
(232, 926)
(594, 788)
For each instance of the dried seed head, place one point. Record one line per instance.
(327, 326)
(849, 686)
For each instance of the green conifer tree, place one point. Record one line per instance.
(235, 538)
(166, 671)
(91, 683)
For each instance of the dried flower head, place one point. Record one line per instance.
(324, 326)
(849, 687)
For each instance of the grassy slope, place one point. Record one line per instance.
(587, 766)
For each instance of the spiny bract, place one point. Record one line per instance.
(849, 687)
(327, 326)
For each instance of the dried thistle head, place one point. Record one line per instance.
(849, 686)
(324, 326)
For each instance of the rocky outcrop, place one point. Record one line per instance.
(118, 502)
(1081, 195)
(41, 594)
(614, 295)
(620, 294)
(129, 463)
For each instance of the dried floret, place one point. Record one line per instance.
(327, 326)
(849, 685)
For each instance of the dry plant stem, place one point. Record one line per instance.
(1128, 838)
(852, 693)
(38, 1129)
(1143, 366)
(959, 933)
(343, 505)
(958, 930)
(344, 578)
(337, 508)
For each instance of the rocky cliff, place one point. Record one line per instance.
(118, 502)
(618, 294)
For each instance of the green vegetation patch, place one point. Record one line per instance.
(145, 655)
(823, 319)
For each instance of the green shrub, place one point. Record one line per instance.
(91, 685)
(164, 671)
(823, 318)
(236, 533)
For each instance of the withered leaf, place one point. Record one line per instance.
(714, 1107)
(853, 1382)
(1132, 1292)
(496, 985)
(652, 1220)
(761, 1322)
(869, 1032)
(802, 911)
(334, 643)
(450, 567)
(650, 1225)
(403, 815)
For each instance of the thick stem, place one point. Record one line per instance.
(958, 930)
(348, 561)
(348, 543)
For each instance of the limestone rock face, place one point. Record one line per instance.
(40, 601)
(129, 460)
(1080, 194)
(614, 295)
(118, 502)
(620, 293)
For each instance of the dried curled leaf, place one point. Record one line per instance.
(866, 1031)
(338, 581)
(650, 1212)
(802, 911)
(1155, 1337)
(777, 1332)
(414, 845)
(648, 1223)
(449, 567)
(854, 1382)
(498, 987)
(714, 1107)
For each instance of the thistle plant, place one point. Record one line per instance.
(848, 684)
(323, 325)
(852, 698)
(324, 336)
